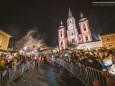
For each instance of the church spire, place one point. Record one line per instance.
(69, 14)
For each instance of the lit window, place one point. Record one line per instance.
(84, 27)
(108, 39)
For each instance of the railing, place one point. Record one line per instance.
(10, 74)
(89, 76)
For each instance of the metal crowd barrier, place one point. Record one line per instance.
(12, 74)
(89, 76)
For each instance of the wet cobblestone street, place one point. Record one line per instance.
(45, 75)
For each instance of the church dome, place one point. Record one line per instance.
(61, 25)
(82, 18)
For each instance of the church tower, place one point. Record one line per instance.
(62, 38)
(86, 35)
(72, 30)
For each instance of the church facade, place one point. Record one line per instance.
(81, 37)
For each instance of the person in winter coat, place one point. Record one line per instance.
(45, 60)
(93, 63)
(37, 61)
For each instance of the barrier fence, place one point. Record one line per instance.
(7, 76)
(89, 76)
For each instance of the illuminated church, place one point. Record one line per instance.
(82, 37)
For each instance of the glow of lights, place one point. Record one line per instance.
(25, 48)
(21, 51)
(32, 52)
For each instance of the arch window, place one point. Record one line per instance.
(86, 38)
(60, 33)
(61, 43)
(84, 27)
(72, 34)
(73, 40)
(79, 38)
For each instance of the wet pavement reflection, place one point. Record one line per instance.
(46, 75)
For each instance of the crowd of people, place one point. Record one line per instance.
(9, 63)
(8, 60)
(100, 60)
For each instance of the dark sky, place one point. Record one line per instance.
(17, 17)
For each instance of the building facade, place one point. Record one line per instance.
(4, 40)
(81, 36)
(85, 33)
(62, 36)
(108, 40)
(71, 29)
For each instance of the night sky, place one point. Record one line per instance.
(17, 17)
